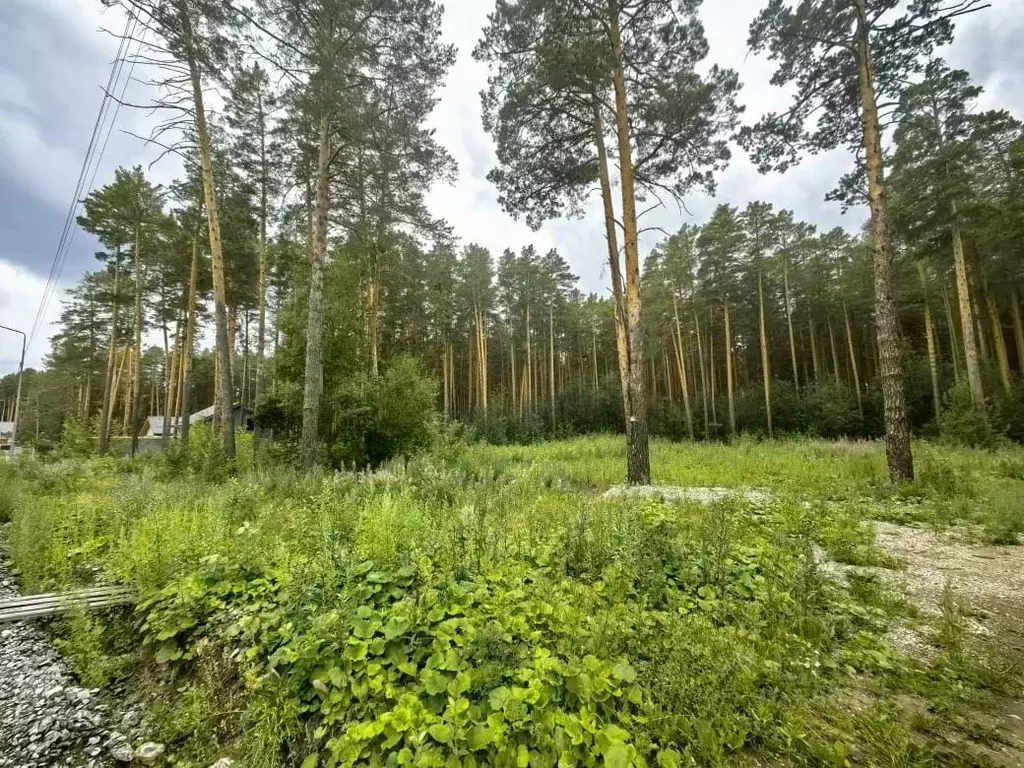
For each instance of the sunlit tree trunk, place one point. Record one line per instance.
(930, 339)
(684, 384)
(136, 387)
(954, 343)
(967, 329)
(789, 324)
(815, 357)
(998, 340)
(1018, 328)
(551, 364)
(853, 361)
(766, 373)
(213, 221)
(897, 428)
(730, 383)
(638, 457)
(703, 375)
(832, 345)
(108, 381)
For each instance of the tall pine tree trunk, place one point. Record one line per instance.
(611, 236)
(931, 341)
(703, 376)
(213, 221)
(730, 383)
(684, 384)
(133, 419)
(314, 374)
(108, 380)
(998, 340)
(190, 343)
(853, 361)
(789, 325)
(967, 330)
(832, 345)
(897, 427)
(1018, 328)
(954, 343)
(766, 373)
(373, 319)
(815, 357)
(638, 456)
(261, 326)
(551, 365)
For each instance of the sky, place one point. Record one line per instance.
(55, 56)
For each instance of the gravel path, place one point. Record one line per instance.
(45, 718)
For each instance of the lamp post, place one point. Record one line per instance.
(21, 371)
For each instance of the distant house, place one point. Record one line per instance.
(6, 435)
(155, 424)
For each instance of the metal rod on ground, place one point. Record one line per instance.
(17, 400)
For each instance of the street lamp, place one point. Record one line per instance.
(17, 400)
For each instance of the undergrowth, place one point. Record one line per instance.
(486, 606)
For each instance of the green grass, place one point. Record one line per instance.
(486, 605)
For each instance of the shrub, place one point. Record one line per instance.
(379, 418)
(961, 423)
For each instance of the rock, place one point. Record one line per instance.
(224, 762)
(57, 690)
(149, 752)
(131, 719)
(121, 751)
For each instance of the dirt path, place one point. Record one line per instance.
(987, 583)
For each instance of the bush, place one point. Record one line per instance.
(77, 440)
(379, 418)
(961, 423)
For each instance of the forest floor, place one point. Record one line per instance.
(765, 604)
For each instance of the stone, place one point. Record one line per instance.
(224, 762)
(121, 751)
(57, 690)
(131, 718)
(149, 752)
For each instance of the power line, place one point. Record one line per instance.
(91, 159)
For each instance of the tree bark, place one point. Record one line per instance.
(835, 354)
(314, 374)
(190, 343)
(963, 295)
(853, 361)
(766, 373)
(1018, 328)
(551, 365)
(933, 353)
(897, 428)
(703, 376)
(638, 456)
(104, 438)
(998, 339)
(789, 324)
(261, 327)
(611, 236)
(730, 383)
(813, 333)
(954, 344)
(684, 384)
(133, 419)
(213, 220)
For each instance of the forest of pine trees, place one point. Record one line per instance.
(297, 254)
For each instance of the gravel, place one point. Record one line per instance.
(697, 495)
(45, 718)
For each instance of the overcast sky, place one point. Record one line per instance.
(54, 58)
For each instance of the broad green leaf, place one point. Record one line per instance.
(441, 732)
